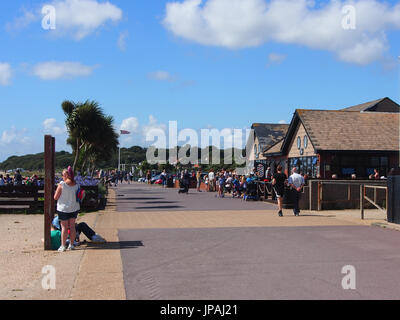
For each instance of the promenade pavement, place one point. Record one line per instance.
(207, 248)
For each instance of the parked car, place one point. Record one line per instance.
(155, 178)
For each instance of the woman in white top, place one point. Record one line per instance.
(67, 207)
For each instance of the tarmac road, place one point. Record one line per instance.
(249, 263)
(152, 198)
(261, 263)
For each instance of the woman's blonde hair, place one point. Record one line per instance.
(70, 173)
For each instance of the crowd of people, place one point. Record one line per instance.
(229, 183)
(18, 180)
(35, 180)
(115, 177)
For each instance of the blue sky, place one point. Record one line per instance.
(211, 64)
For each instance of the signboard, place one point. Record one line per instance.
(260, 169)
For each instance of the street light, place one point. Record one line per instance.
(123, 132)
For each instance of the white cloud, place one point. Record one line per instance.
(14, 137)
(61, 70)
(76, 18)
(161, 76)
(236, 24)
(153, 125)
(130, 124)
(23, 21)
(51, 127)
(138, 131)
(276, 58)
(5, 74)
(122, 40)
(282, 122)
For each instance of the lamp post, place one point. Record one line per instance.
(123, 132)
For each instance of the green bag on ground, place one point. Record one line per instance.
(55, 239)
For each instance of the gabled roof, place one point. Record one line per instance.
(346, 131)
(380, 105)
(269, 134)
(275, 149)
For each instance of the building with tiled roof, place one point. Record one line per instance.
(265, 136)
(344, 142)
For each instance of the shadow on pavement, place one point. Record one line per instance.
(159, 207)
(142, 198)
(160, 202)
(315, 215)
(116, 245)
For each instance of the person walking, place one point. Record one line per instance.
(18, 178)
(164, 178)
(296, 182)
(221, 183)
(198, 178)
(186, 180)
(148, 177)
(278, 182)
(67, 207)
(211, 181)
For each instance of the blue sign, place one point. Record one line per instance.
(347, 171)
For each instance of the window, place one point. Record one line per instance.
(305, 165)
(305, 142)
(298, 143)
(374, 162)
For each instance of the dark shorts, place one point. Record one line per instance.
(66, 216)
(280, 192)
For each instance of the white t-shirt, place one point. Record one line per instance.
(211, 176)
(296, 179)
(67, 202)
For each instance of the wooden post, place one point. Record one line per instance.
(362, 201)
(53, 177)
(387, 200)
(349, 192)
(49, 157)
(319, 196)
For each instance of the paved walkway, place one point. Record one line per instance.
(153, 198)
(212, 248)
(212, 252)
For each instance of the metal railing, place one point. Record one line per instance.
(351, 193)
(363, 196)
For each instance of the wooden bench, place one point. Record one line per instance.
(30, 199)
(17, 198)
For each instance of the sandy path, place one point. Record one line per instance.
(22, 258)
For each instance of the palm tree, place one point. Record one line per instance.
(90, 131)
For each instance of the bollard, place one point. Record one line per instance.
(393, 204)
